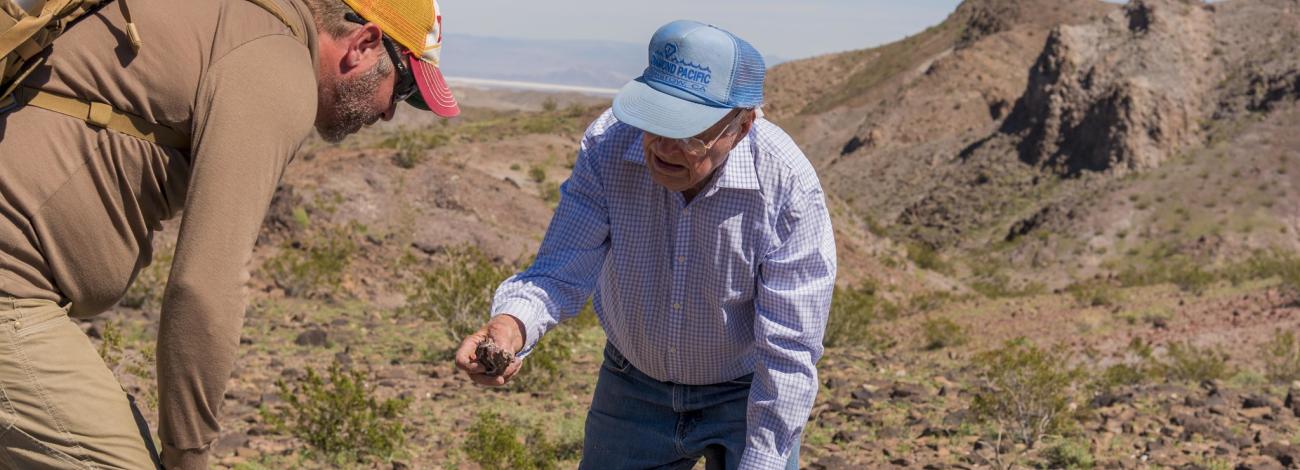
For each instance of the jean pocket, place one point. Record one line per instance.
(615, 360)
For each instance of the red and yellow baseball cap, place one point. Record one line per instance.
(416, 25)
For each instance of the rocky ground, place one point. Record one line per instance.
(898, 402)
(1066, 233)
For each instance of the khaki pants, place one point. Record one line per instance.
(60, 406)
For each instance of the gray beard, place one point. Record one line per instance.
(353, 98)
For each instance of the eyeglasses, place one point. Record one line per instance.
(404, 86)
(693, 146)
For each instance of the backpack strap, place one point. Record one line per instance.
(103, 115)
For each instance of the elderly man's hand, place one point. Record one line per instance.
(504, 330)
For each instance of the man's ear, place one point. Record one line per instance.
(365, 47)
(748, 123)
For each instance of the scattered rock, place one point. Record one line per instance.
(1255, 401)
(229, 442)
(1285, 454)
(1260, 462)
(314, 337)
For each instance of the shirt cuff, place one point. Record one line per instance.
(528, 313)
(756, 459)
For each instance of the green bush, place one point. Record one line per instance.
(941, 333)
(926, 257)
(1188, 274)
(854, 312)
(413, 146)
(112, 343)
(314, 266)
(1128, 374)
(1027, 391)
(457, 293)
(496, 442)
(546, 364)
(1282, 357)
(1069, 454)
(550, 192)
(1095, 293)
(340, 417)
(146, 292)
(537, 174)
(990, 280)
(1186, 362)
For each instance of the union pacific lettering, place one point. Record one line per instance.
(667, 67)
(694, 74)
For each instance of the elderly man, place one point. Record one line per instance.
(703, 231)
(102, 142)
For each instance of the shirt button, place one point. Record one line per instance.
(677, 306)
(681, 259)
(672, 350)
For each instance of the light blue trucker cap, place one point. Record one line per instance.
(698, 73)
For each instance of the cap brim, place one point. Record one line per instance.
(434, 94)
(659, 113)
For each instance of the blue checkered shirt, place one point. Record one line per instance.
(738, 281)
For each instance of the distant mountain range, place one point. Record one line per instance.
(588, 63)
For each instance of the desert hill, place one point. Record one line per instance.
(1024, 138)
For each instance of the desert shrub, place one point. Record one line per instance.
(1069, 454)
(1188, 275)
(1126, 374)
(537, 174)
(931, 301)
(1027, 391)
(1282, 357)
(1119, 375)
(549, 191)
(339, 416)
(457, 292)
(496, 442)
(112, 343)
(926, 257)
(413, 146)
(314, 266)
(1186, 362)
(1095, 293)
(854, 313)
(990, 280)
(545, 365)
(941, 333)
(146, 292)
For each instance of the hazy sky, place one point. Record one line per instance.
(789, 29)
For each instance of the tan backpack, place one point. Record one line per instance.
(28, 27)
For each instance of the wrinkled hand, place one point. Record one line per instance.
(507, 332)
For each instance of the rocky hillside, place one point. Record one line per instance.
(1021, 130)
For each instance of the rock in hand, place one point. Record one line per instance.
(494, 359)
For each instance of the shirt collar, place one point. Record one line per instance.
(737, 172)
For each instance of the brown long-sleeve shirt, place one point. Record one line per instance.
(79, 205)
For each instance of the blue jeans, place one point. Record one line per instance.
(637, 422)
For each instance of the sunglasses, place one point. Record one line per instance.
(404, 86)
(693, 146)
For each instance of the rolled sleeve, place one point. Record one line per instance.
(791, 306)
(563, 276)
